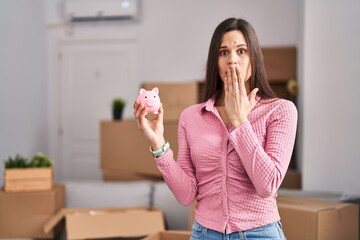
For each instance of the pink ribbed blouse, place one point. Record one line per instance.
(234, 173)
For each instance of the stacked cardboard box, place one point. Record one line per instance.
(124, 151)
(280, 63)
(22, 214)
(94, 223)
(315, 219)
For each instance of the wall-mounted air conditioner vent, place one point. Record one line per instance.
(95, 10)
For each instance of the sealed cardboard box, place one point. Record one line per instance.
(170, 235)
(23, 214)
(28, 179)
(85, 223)
(314, 219)
(175, 97)
(280, 63)
(125, 153)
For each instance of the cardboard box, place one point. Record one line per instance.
(280, 63)
(92, 223)
(292, 179)
(175, 97)
(314, 219)
(170, 235)
(23, 214)
(28, 179)
(125, 153)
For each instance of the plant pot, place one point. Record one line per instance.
(117, 115)
(28, 179)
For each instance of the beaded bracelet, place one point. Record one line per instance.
(161, 150)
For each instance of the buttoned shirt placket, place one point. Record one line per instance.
(224, 163)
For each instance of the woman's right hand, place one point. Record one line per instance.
(152, 129)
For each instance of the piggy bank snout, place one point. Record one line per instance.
(150, 103)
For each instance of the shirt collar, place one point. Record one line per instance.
(209, 105)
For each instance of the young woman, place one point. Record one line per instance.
(234, 148)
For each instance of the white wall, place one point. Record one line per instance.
(331, 146)
(23, 96)
(174, 36)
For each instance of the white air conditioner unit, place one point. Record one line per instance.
(94, 10)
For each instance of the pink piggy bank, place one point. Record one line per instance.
(150, 99)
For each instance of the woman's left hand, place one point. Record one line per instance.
(238, 104)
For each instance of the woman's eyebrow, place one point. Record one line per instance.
(240, 45)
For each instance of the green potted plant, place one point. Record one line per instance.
(17, 162)
(24, 175)
(118, 105)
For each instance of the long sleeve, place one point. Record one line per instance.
(179, 175)
(266, 163)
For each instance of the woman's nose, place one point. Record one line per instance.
(232, 60)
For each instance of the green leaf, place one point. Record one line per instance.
(17, 162)
(40, 160)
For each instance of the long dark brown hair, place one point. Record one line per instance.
(258, 79)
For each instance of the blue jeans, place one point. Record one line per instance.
(272, 231)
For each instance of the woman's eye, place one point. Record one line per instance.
(223, 53)
(241, 51)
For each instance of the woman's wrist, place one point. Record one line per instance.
(238, 122)
(158, 143)
(243, 120)
(159, 152)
